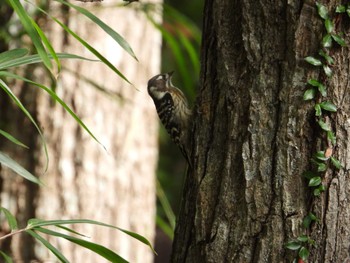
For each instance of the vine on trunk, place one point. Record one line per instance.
(317, 92)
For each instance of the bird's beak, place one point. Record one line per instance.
(171, 73)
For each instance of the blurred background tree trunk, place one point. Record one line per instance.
(254, 137)
(116, 185)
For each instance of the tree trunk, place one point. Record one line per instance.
(117, 185)
(254, 135)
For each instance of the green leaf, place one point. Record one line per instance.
(331, 137)
(313, 61)
(165, 227)
(56, 98)
(336, 163)
(118, 38)
(303, 238)
(4, 86)
(313, 82)
(326, 56)
(320, 86)
(339, 40)
(71, 230)
(32, 59)
(319, 190)
(329, 26)
(98, 249)
(328, 106)
(322, 90)
(327, 41)
(309, 174)
(309, 94)
(307, 222)
(322, 11)
(321, 167)
(47, 244)
(315, 181)
(14, 166)
(293, 245)
(47, 44)
(12, 139)
(303, 253)
(165, 205)
(318, 111)
(12, 54)
(34, 222)
(321, 156)
(10, 218)
(324, 126)
(309, 219)
(340, 9)
(27, 23)
(6, 257)
(327, 70)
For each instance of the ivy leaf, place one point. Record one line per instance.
(336, 163)
(309, 94)
(340, 9)
(303, 238)
(315, 181)
(327, 70)
(320, 86)
(309, 219)
(322, 90)
(339, 40)
(331, 137)
(321, 156)
(329, 26)
(313, 82)
(322, 11)
(328, 106)
(293, 245)
(327, 41)
(321, 167)
(318, 110)
(319, 190)
(309, 174)
(304, 253)
(313, 61)
(326, 56)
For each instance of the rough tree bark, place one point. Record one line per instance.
(116, 185)
(253, 137)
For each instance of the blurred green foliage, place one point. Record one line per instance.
(180, 52)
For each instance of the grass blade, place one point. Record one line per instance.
(165, 227)
(165, 205)
(34, 222)
(10, 218)
(27, 23)
(47, 244)
(4, 86)
(12, 54)
(118, 38)
(32, 59)
(48, 45)
(101, 250)
(14, 166)
(6, 257)
(56, 98)
(12, 139)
